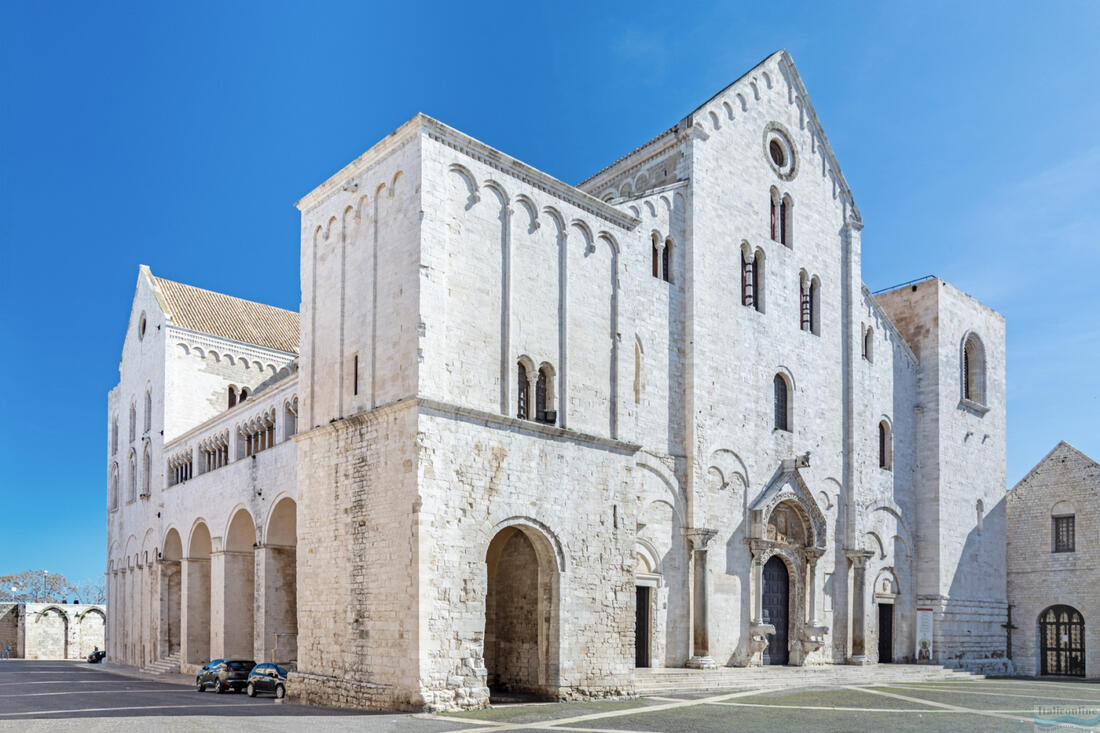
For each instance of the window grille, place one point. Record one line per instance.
(1064, 539)
(523, 393)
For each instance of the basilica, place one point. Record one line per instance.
(537, 437)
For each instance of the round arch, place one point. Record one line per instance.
(522, 610)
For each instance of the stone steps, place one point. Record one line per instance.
(655, 681)
(165, 665)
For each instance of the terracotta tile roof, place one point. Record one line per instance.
(227, 317)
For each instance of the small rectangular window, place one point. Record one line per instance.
(355, 375)
(1064, 534)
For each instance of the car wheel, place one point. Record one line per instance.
(251, 690)
(199, 686)
(280, 692)
(219, 687)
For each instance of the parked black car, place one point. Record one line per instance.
(267, 678)
(224, 674)
(97, 656)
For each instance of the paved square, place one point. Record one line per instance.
(73, 696)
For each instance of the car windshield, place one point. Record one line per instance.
(280, 670)
(240, 665)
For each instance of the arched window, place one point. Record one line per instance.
(656, 255)
(290, 418)
(114, 436)
(544, 396)
(523, 394)
(815, 306)
(746, 278)
(146, 470)
(782, 403)
(973, 370)
(785, 221)
(868, 344)
(774, 218)
(885, 446)
(232, 396)
(112, 487)
(758, 281)
(244, 394)
(666, 261)
(148, 410)
(131, 483)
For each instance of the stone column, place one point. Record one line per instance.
(700, 636)
(195, 624)
(276, 627)
(232, 579)
(856, 610)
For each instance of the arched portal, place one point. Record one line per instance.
(238, 579)
(195, 630)
(91, 626)
(777, 609)
(521, 613)
(279, 597)
(171, 595)
(1062, 642)
(48, 635)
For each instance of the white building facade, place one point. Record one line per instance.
(534, 436)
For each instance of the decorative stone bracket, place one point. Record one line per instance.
(758, 642)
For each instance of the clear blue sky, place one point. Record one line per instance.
(181, 136)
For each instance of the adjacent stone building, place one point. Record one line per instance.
(1053, 520)
(534, 436)
(52, 630)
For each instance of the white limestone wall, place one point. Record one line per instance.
(200, 369)
(515, 268)
(139, 585)
(58, 631)
(141, 368)
(961, 461)
(738, 350)
(479, 474)
(1064, 482)
(359, 257)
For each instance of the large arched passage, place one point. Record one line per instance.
(521, 613)
(238, 579)
(277, 571)
(48, 634)
(90, 627)
(171, 595)
(196, 597)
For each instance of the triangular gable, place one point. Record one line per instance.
(787, 485)
(1062, 450)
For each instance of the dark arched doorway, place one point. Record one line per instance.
(776, 608)
(521, 613)
(1062, 642)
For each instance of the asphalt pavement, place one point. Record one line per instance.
(72, 695)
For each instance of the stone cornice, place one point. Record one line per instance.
(480, 152)
(488, 419)
(491, 419)
(492, 157)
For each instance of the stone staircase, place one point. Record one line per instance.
(657, 681)
(164, 665)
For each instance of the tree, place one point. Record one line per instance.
(36, 586)
(92, 591)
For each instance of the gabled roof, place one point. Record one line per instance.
(799, 95)
(225, 316)
(1063, 449)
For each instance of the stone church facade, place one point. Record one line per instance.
(534, 436)
(1051, 552)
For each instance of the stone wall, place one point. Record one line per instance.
(55, 631)
(9, 628)
(1065, 482)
